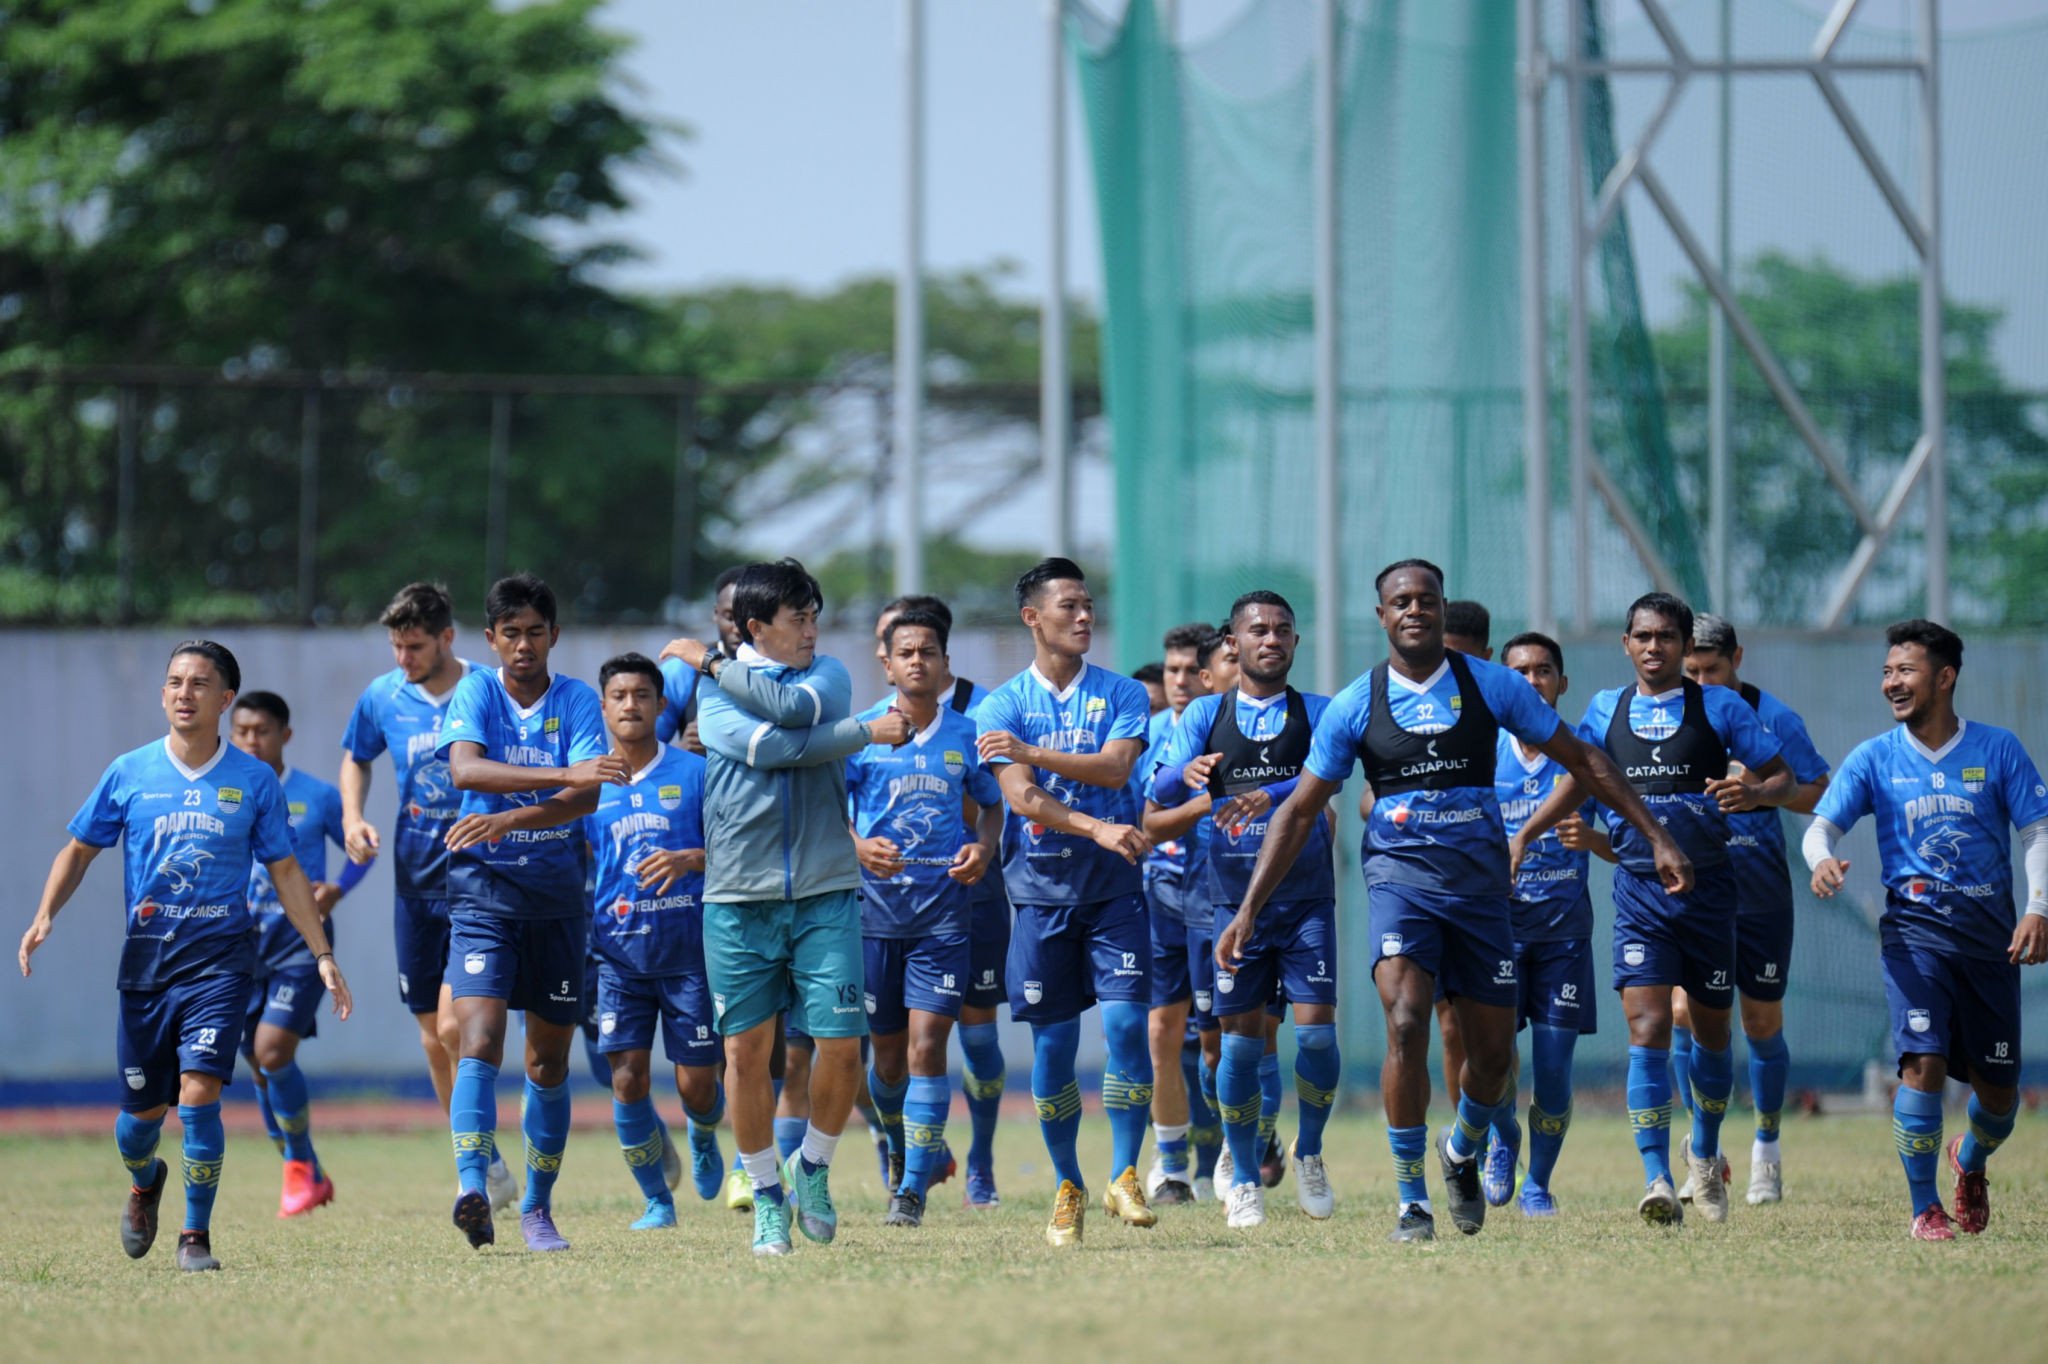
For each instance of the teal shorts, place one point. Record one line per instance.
(803, 956)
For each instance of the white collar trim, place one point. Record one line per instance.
(440, 702)
(195, 773)
(1935, 755)
(1529, 764)
(1072, 687)
(929, 730)
(527, 712)
(647, 770)
(1422, 687)
(1659, 698)
(1264, 702)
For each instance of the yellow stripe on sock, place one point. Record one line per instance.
(1642, 1118)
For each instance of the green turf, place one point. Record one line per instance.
(382, 1275)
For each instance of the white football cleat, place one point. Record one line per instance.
(1247, 1206)
(1766, 1182)
(1709, 1188)
(1312, 1187)
(502, 1186)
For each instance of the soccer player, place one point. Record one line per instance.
(781, 925)
(1152, 677)
(1064, 737)
(1944, 792)
(678, 722)
(647, 931)
(927, 823)
(1171, 903)
(193, 813)
(283, 1007)
(1553, 923)
(1245, 749)
(983, 1073)
(1468, 629)
(1763, 910)
(1673, 739)
(1426, 723)
(401, 713)
(518, 922)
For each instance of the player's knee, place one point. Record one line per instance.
(1762, 1018)
(697, 1086)
(927, 1056)
(275, 1053)
(1315, 1036)
(629, 1076)
(1123, 1027)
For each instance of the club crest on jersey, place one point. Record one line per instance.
(1919, 1020)
(1033, 991)
(1632, 954)
(228, 799)
(669, 797)
(297, 810)
(553, 725)
(1096, 708)
(1458, 702)
(1973, 779)
(956, 762)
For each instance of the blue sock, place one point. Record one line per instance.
(137, 1138)
(1316, 1067)
(1649, 1109)
(1408, 1145)
(925, 1101)
(269, 1111)
(1058, 1094)
(1681, 1066)
(473, 1119)
(205, 1144)
(1713, 1080)
(1550, 1107)
(703, 1127)
(1269, 1098)
(546, 1126)
(1208, 1139)
(1505, 1129)
(1987, 1133)
(1472, 1128)
(1239, 1100)
(789, 1136)
(1126, 1082)
(1916, 1131)
(294, 1112)
(775, 1083)
(640, 1139)
(889, 1108)
(1770, 1061)
(600, 1064)
(982, 1078)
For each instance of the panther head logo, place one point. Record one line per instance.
(182, 865)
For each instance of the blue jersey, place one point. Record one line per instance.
(313, 809)
(565, 726)
(1693, 818)
(1552, 902)
(1041, 865)
(1230, 854)
(1756, 838)
(1944, 840)
(912, 796)
(188, 837)
(678, 699)
(1168, 861)
(635, 931)
(1450, 840)
(397, 716)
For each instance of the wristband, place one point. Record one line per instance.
(318, 955)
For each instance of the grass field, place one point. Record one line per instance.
(1828, 1274)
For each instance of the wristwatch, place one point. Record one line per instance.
(712, 657)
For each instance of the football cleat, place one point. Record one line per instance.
(1766, 1182)
(304, 1189)
(1124, 1199)
(1226, 1172)
(473, 1216)
(1973, 1191)
(1933, 1225)
(707, 1165)
(980, 1194)
(1660, 1206)
(810, 1198)
(739, 1191)
(1709, 1185)
(1416, 1226)
(1246, 1206)
(538, 1227)
(138, 1218)
(906, 1209)
(1069, 1214)
(946, 1168)
(1204, 1189)
(771, 1226)
(1537, 1202)
(501, 1184)
(1461, 1182)
(1273, 1163)
(660, 1216)
(1685, 1190)
(1312, 1187)
(195, 1252)
(1497, 1174)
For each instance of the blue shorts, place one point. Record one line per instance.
(1064, 958)
(988, 943)
(1556, 985)
(1201, 950)
(629, 1006)
(195, 1026)
(1292, 956)
(531, 964)
(1467, 943)
(1170, 979)
(1763, 953)
(913, 973)
(1962, 1008)
(288, 999)
(420, 929)
(1686, 940)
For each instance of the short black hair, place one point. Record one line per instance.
(1942, 644)
(1665, 605)
(763, 589)
(1045, 571)
(1535, 639)
(1399, 564)
(269, 702)
(629, 662)
(1206, 650)
(509, 596)
(1713, 634)
(1258, 596)
(420, 606)
(918, 617)
(1150, 672)
(727, 578)
(921, 601)
(217, 654)
(1189, 636)
(1468, 619)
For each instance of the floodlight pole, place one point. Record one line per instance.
(909, 432)
(1933, 372)
(1720, 514)
(1533, 68)
(1329, 582)
(1055, 397)
(1580, 427)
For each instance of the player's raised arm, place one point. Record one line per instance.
(67, 869)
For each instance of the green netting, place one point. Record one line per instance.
(1202, 157)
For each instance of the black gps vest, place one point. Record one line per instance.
(1248, 764)
(1693, 756)
(963, 695)
(1463, 755)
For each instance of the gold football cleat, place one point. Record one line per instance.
(1069, 1207)
(1125, 1198)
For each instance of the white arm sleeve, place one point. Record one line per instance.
(1819, 844)
(2034, 856)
